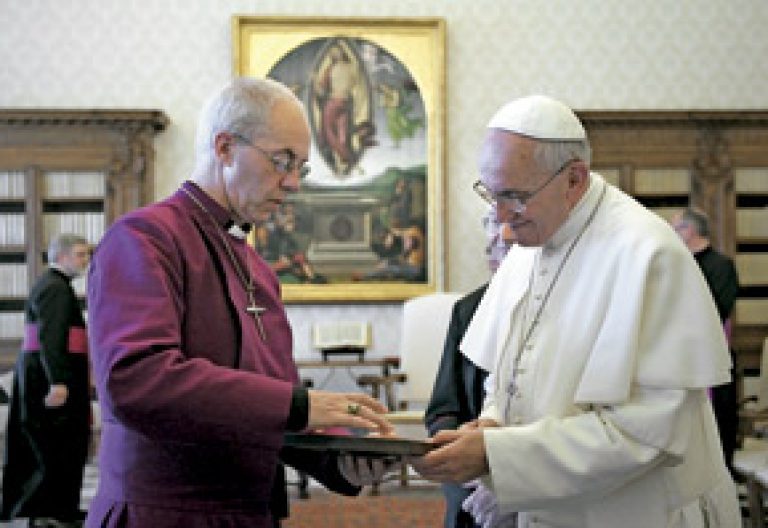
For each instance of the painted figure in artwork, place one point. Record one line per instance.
(341, 93)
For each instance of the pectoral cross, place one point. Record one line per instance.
(256, 312)
(511, 389)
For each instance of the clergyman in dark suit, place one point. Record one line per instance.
(719, 270)
(457, 396)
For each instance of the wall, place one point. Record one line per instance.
(592, 54)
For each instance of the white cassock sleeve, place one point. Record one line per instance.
(556, 461)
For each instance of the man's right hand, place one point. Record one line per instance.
(350, 409)
(57, 396)
(461, 457)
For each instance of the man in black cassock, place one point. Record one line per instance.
(720, 273)
(457, 396)
(49, 419)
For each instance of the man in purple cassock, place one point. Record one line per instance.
(191, 346)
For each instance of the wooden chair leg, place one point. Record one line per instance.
(389, 396)
(404, 474)
(303, 485)
(755, 502)
(370, 383)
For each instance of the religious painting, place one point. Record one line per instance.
(366, 223)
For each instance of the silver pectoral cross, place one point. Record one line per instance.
(256, 312)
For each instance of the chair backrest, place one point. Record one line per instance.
(424, 327)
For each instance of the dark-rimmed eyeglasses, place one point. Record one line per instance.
(285, 161)
(515, 200)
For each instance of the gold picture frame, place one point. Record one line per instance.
(367, 224)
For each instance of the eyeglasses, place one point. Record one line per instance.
(515, 200)
(490, 224)
(285, 161)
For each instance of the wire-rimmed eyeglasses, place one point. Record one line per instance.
(514, 200)
(285, 161)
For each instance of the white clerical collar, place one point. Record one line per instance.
(236, 230)
(578, 215)
(60, 269)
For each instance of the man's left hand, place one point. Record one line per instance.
(482, 506)
(460, 459)
(364, 471)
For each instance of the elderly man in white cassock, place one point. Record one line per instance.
(601, 337)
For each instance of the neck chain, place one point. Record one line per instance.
(245, 277)
(512, 385)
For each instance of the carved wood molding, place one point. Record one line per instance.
(116, 141)
(712, 188)
(676, 118)
(119, 119)
(709, 144)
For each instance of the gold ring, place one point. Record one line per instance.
(353, 409)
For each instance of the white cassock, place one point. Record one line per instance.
(606, 418)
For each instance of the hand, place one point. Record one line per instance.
(460, 459)
(484, 509)
(57, 396)
(480, 423)
(364, 471)
(334, 409)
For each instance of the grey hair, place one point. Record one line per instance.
(552, 155)
(698, 219)
(63, 244)
(242, 107)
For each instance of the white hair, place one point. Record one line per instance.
(552, 155)
(63, 244)
(242, 107)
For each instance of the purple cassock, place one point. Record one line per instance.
(195, 400)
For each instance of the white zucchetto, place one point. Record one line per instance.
(539, 117)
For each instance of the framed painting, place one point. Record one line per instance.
(367, 223)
